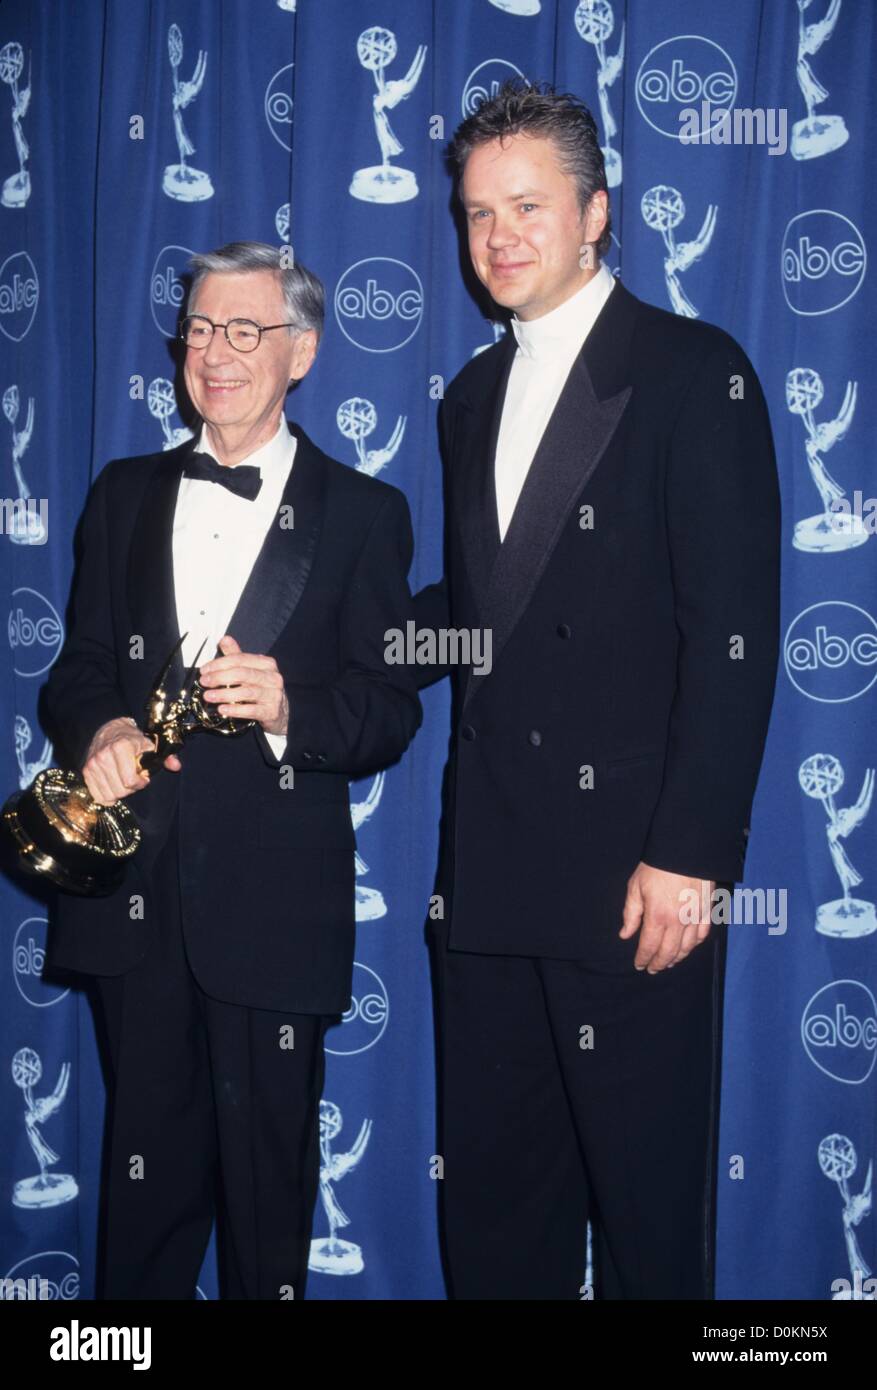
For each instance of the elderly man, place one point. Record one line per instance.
(230, 945)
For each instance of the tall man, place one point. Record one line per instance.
(230, 946)
(613, 519)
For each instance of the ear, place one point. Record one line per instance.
(305, 352)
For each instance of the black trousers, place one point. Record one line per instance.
(211, 1112)
(539, 1134)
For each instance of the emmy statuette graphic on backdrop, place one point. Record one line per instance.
(26, 526)
(594, 23)
(663, 210)
(16, 189)
(181, 181)
(45, 1189)
(831, 529)
(161, 402)
(281, 222)
(815, 135)
(61, 833)
(837, 1159)
(519, 7)
(821, 777)
(370, 903)
(357, 418)
(384, 183)
(28, 770)
(329, 1255)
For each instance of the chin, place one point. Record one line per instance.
(509, 296)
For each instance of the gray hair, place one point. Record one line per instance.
(524, 108)
(303, 293)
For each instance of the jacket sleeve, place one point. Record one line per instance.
(366, 718)
(83, 692)
(432, 612)
(723, 521)
(432, 604)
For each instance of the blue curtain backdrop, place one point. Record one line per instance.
(134, 133)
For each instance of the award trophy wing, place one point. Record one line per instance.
(61, 833)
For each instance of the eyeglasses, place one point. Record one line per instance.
(243, 335)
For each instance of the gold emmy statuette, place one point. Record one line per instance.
(61, 833)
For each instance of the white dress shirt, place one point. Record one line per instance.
(217, 537)
(547, 348)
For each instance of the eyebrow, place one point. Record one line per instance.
(513, 198)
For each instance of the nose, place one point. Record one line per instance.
(217, 350)
(501, 234)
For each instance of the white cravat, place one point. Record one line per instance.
(547, 348)
(217, 537)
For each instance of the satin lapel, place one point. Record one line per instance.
(150, 577)
(278, 578)
(575, 439)
(474, 488)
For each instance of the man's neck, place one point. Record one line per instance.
(527, 316)
(232, 445)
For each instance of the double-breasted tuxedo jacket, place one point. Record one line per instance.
(637, 639)
(266, 869)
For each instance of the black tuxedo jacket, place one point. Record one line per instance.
(642, 646)
(267, 871)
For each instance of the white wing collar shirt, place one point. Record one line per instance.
(547, 348)
(217, 537)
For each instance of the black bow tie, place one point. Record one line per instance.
(245, 480)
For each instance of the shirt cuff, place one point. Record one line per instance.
(277, 743)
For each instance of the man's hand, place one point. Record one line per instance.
(654, 898)
(110, 770)
(258, 693)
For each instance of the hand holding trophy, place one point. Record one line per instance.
(61, 833)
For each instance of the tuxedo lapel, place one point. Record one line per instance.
(277, 579)
(475, 491)
(574, 441)
(150, 578)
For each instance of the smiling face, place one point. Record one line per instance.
(526, 233)
(241, 395)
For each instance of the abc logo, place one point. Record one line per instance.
(28, 959)
(19, 295)
(35, 632)
(681, 72)
(485, 81)
(56, 1267)
(379, 304)
(167, 288)
(839, 1031)
(366, 1019)
(830, 652)
(823, 262)
(278, 106)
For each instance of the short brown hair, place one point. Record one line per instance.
(559, 116)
